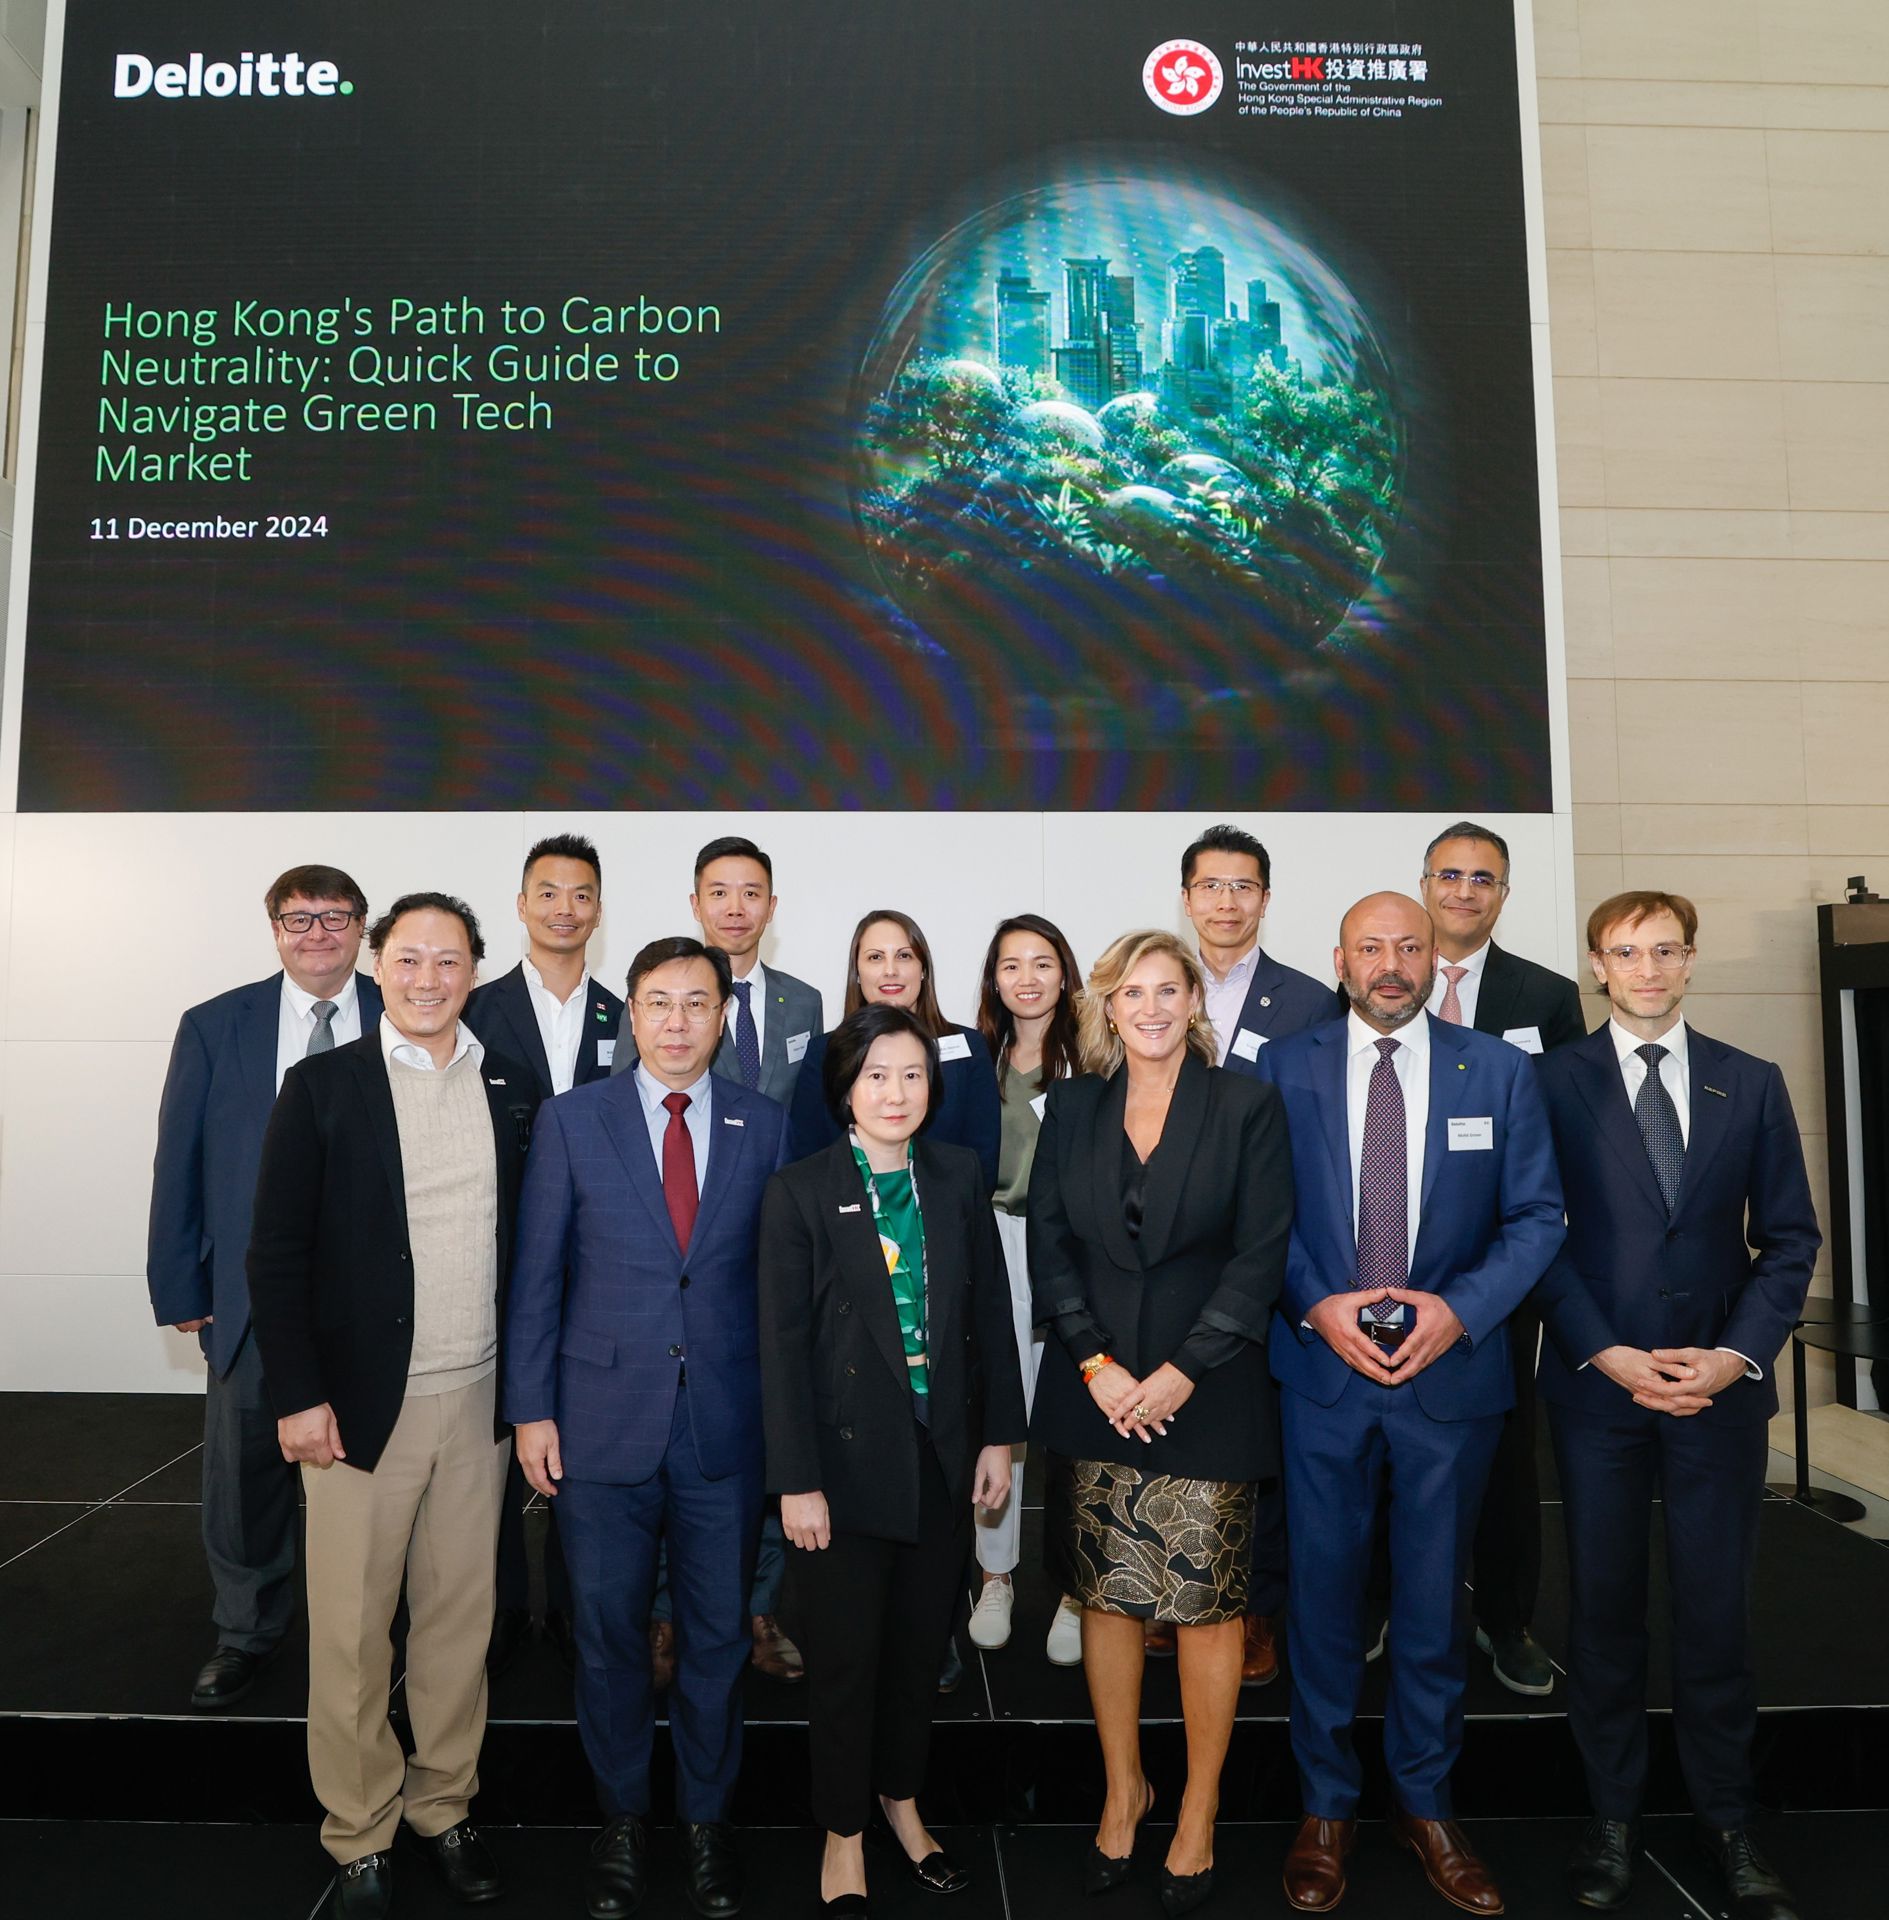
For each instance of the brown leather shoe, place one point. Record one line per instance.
(1449, 1863)
(774, 1654)
(662, 1654)
(1259, 1657)
(1315, 1863)
(1157, 1637)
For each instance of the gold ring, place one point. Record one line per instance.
(1143, 1415)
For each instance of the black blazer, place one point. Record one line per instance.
(501, 1014)
(330, 1271)
(1211, 1258)
(835, 1392)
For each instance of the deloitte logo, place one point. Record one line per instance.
(270, 75)
(1182, 76)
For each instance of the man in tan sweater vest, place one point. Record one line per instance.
(382, 1233)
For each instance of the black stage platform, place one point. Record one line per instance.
(104, 1603)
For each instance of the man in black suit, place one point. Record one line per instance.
(1691, 1237)
(1481, 985)
(226, 1066)
(377, 1264)
(551, 1014)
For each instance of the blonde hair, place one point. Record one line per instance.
(1102, 1050)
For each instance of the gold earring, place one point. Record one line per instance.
(1111, 1026)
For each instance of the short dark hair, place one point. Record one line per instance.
(1468, 830)
(378, 933)
(678, 946)
(562, 846)
(849, 1043)
(1226, 839)
(314, 883)
(731, 846)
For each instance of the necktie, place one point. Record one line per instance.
(1383, 1187)
(747, 1047)
(1452, 1008)
(322, 1040)
(678, 1170)
(1659, 1125)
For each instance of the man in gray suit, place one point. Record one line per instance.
(771, 1019)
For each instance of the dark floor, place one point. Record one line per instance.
(78, 1870)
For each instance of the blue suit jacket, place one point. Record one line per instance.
(1489, 1221)
(1280, 1001)
(1729, 1269)
(605, 1309)
(217, 1098)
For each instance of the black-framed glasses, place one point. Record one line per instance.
(334, 919)
(1482, 880)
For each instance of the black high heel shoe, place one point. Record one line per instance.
(1104, 1872)
(1183, 1892)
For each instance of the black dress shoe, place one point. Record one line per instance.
(1183, 1892)
(1755, 1887)
(711, 1868)
(511, 1628)
(618, 1876)
(557, 1629)
(464, 1862)
(951, 1674)
(1104, 1872)
(1600, 1869)
(225, 1677)
(364, 1888)
(846, 1906)
(938, 1872)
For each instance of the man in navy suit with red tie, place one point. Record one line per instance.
(1691, 1237)
(1426, 1205)
(633, 1378)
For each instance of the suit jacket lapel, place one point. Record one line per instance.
(370, 1067)
(1711, 1113)
(727, 1142)
(1605, 1096)
(623, 1122)
(1455, 1090)
(856, 1243)
(513, 993)
(1327, 1068)
(1495, 999)
(257, 1031)
(945, 1261)
(1168, 1167)
(1105, 1172)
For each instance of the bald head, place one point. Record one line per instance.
(1386, 958)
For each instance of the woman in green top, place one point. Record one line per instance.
(1027, 1013)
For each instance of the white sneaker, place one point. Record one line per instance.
(1065, 1635)
(990, 1618)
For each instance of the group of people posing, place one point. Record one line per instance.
(1270, 1272)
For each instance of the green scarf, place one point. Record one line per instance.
(895, 1212)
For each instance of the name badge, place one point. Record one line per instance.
(953, 1046)
(1527, 1038)
(797, 1048)
(1247, 1043)
(606, 1052)
(1039, 1105)
(1473, 1136)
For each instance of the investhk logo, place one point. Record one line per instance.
(271, 75)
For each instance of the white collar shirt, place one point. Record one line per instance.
(1673, 1070)
(1468, 988)
(1226, 997)
(696, 1116)
(398, 1051)
(560, 1025)
(296, 1023)
(1411, 1063)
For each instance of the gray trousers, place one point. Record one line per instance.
(250, 1495)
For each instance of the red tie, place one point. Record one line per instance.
(678, 1170)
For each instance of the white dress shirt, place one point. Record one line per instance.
(560, 1025)
(1411, 1064)
(398, 1050)
(1468, 988)
(757, 1002)
(1226, 997)
(295, 1025)
(695, 1116)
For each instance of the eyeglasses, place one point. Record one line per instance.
(1666, 957)
(1213, 889)
(1456, 877)
(335, 919)
(698, 1009)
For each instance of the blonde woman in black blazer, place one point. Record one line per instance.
(886, 1420)
(1160, 1211)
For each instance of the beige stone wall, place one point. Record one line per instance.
(1717, 201)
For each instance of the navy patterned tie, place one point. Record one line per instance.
(1383, 1187)
(1659, 1126)
(747, 1047)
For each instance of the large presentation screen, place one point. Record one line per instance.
(678, 403)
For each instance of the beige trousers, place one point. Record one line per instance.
(430, 1510)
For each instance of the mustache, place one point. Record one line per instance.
(1394, 980)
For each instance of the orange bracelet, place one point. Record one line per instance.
(1094, 1365)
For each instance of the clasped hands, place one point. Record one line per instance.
(1436, 1330)
(1675, 1380)
(1139, 1409)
